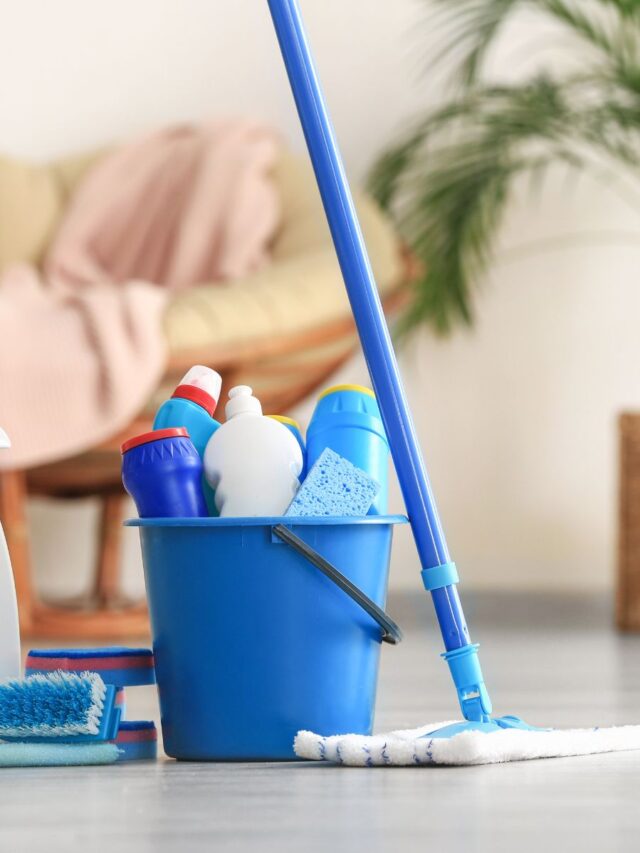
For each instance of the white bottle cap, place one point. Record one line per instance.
(242, 402)
(201, 385)
(204, 378)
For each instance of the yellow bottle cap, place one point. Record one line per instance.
(285, 420)
(361, 388)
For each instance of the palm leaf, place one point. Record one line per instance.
(471, 28)
(448, 179)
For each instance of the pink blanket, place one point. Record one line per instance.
(81, 349)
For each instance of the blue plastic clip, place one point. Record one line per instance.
(440, 576)
(467, 677)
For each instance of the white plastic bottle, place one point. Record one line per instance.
(10, 656)
(252, 462)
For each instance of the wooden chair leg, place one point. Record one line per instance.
(107, 581)
(13, 512)
(106, 616)
(628, 585)
(38, 620)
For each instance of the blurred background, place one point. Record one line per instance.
(516, 408)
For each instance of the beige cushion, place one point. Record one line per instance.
(30, 205)
(301, 288)
(32, 201)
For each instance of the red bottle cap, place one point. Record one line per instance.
(154, 435)
(198, 396)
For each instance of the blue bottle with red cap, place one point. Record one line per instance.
(192, 405)
(162, 472)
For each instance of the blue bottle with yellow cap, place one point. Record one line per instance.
(347, 419)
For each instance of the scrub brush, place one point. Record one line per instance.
(61, 708)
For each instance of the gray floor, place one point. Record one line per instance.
(552, 662)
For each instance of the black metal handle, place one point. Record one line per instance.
(391, 633)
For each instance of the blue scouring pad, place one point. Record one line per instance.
(62, 707)
(137, 741)
(117, 665)
(334, 487)
(56, 754)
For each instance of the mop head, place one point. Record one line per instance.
(411, 747)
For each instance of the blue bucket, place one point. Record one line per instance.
(252, 642)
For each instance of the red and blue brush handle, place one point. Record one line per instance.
(438, 572)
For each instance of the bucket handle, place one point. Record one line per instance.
(391, 633)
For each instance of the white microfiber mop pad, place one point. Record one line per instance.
(410, 747)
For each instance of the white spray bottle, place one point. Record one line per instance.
(252, 462)
(10, 656)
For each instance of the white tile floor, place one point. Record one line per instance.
(552, 662)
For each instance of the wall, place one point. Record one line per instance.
(518, 415)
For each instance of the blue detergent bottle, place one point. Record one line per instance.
(347, 420)
(162, 472)
(192, 405)
(294, 428)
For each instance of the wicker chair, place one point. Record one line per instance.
(294, 340)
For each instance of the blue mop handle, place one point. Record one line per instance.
(438, 572)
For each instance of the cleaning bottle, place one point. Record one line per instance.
(253, 463)
(10, 656)
(192, 405)
(162, 472)
(347, 420)
(294, 428)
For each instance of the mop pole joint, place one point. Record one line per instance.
(466, 672)
(438, 577)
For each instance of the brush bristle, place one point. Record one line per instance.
(57, 704)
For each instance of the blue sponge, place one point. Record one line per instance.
(334, 487)
(117, 665)
(56, 754)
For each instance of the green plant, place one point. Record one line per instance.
(448, 179)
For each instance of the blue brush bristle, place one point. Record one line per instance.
(53, 705)
(334, 487)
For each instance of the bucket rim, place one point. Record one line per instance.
(268, 521)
